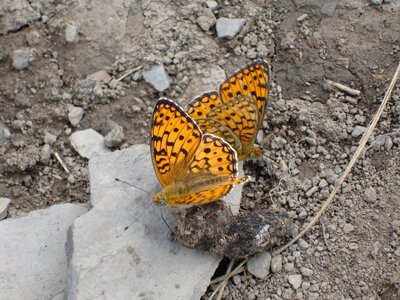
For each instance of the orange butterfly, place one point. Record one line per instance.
(236, 112)
(192, 167)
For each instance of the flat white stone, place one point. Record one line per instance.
(87, 142)
(228, 28)
(32, 253)
(157, 77)
(122, 249)
(4, 202)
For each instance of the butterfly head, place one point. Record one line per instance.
(159, 199)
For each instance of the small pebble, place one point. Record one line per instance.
(295, 280)
(71, 32)
(370, 195)
(45, 154)
(20, 59)
(311, 191)
(302, 18)
(303, 245)
(276, 264)
(259, 265)
(358, 130)
(115, 137)
(157, 77)
(347, 228)
(4, 203)
(75, 114)
(306, 272)
(229, 28)
(49, 138)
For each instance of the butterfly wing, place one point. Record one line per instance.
(240, 115)
(202, 104)
(253, 79)
(175, 138)
(211, 174)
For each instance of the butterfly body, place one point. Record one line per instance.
(235, 112)
(192, 167)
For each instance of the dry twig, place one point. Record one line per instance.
(360, 148)
(129, 72)
(61, 162)
(343, 88)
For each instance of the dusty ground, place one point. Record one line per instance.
(354, 252)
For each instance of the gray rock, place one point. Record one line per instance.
(206, 22)
(306, 272)
(295, 280)
(311, 141)
(276, 264)
(302, 18)
(303, 245)
(328, 9)
(358, 130)
(387, 1)
(20, 59)
(32, 253)
(71, 31)
(75, 114)
(45, 154)
(49, 138)
(123, 244)
(376, 2)
(114, 137)
(288, 267)
(347, 228)
(388, 143)
(100, 77)
(32, 38)
(370, 195)
(212, 4)
(311, 191)
(157, 77)
(87, 142)
(16, 14)
(259, 265)
(4, 133)
(4, 202)
(288, 41)
(228, 28)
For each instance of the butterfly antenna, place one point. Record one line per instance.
(162, 217)
(117, 179)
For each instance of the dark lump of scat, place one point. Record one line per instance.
(213, 228)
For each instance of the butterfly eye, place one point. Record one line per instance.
(162, 202)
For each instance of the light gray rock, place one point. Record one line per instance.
(259, 265)
(206, 21)
(311, 191)
(157, 77)
(276, 264)
(87, 142)
(45, 153)
(100, 77)
(358, 130)
(71, 31)
(306, 272)
(114, 137)
(16, 14)
(295, 280)
(4, 202)
(376, 2)
(20, 59)
(228, 28)
(328, 9)
(388, 143)
(4, 133)
(32, 253)
(347, 228)
(370, 195)
(212, 4)
(123, 246)
(75, 114)
(49, 138)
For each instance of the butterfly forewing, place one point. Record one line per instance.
(202, 104)
(174, 139)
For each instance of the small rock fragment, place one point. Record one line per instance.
(295, 280)
(157, 77)
(276, 264)
(259, 265)
(228, 28)
(45, 154)
(347, 228)
(114, 137)
(328, 9)
(302, 18)
(87, 142)
(71, 32)
(4, 133)
(75, 115)
(4, 202)
(388, 143)
(303, 245)
(49, 138)
(376, 2)
(370, 195)
(288, 41)
(311, 191)
(206, 22)
(358, 130)
(306, 272)
(20, 59)
(100, 76)
(212, 4)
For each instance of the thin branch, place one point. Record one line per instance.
(343, 88)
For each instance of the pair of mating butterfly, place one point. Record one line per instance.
(195, 153)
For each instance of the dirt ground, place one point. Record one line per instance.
(313, 129)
